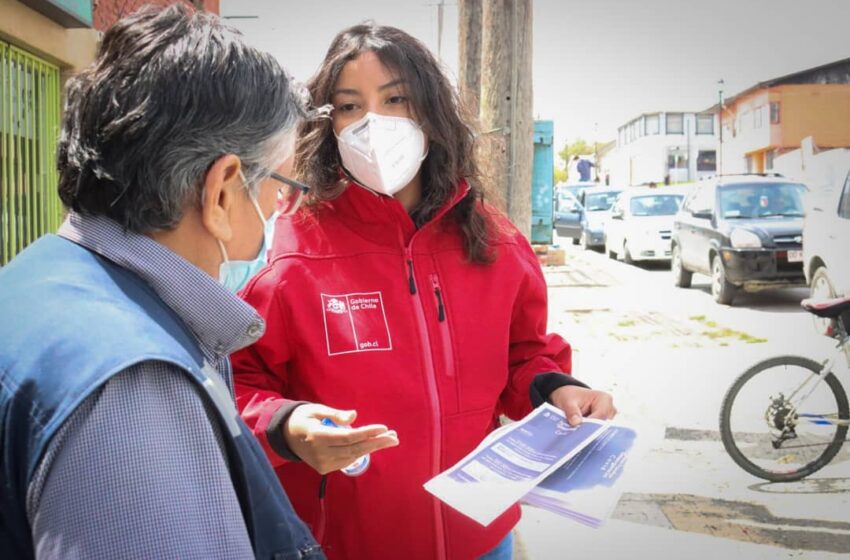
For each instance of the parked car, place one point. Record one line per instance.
(568, 216)
(826, 242)
(745, 231)
(641, 223)
(596, 202)
(574, 188)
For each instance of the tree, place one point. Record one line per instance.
(578, 148)
(560, 175)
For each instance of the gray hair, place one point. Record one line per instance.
(170, 92)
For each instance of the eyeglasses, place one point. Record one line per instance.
(289, 196)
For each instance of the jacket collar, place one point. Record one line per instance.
(371, 214)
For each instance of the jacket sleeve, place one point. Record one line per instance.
(259, 371)
(532, 350)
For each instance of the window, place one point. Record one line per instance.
(774, 112)
(652, 124)
(844, 203)
(743, 119)
(29, 117)
(758, 121)
(675, 123)
(705, 124)
(707, 160)
(703, 200)
(768, 159)
(677, 159)
(655, 205)
(747, 201)
(599, 202)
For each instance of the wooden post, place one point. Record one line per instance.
(469, 54)
(506, 105)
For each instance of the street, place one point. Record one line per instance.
(668, 356)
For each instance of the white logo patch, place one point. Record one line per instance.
(336, 306)
(355, 322)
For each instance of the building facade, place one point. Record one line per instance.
(773, 117)
(672, 147)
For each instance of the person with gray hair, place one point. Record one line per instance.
(119, 432)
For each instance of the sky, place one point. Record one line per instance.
(596, 63)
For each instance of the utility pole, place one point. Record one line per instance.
(440, 11)
(506, 105)
(720, 126)
(469, 54)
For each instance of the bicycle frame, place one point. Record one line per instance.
(843, 347)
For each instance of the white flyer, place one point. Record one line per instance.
(512, 461)
(587, 487)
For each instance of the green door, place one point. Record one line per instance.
(29, 128)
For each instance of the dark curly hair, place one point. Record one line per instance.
(451, 155)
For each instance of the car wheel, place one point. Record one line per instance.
(573, 240)
(611, 254)
(822, 288)
(681, 276)
(721, 290)
(627, 256)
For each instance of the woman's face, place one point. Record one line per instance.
(366, 86)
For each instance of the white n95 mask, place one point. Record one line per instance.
(382, 153)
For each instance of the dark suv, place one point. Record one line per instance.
(745, 231)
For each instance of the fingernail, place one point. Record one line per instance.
(575, 420)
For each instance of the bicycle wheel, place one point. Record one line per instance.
(778, 420)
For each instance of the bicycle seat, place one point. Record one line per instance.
(830, 308)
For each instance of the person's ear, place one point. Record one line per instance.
(222, 185)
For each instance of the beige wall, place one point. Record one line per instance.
(70, 49)
(818, 110)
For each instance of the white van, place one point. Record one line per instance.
(826, 242)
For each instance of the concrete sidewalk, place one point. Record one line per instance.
(545, 536)
(668, 355)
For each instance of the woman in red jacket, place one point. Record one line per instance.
(400, 295)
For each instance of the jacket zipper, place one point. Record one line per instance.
(427, 354)
(320, 526)
(445, 335)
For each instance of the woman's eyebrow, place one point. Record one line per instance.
(391, 84)
(345, 91)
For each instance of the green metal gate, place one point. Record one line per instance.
(29, 128)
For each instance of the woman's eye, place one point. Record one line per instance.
(397, 100)
(346, 107)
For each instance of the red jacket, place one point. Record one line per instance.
(365, 312)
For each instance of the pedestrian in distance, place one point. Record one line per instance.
(421, 313)
(583, 166)
(119, 432)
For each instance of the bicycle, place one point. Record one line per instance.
(807, 415)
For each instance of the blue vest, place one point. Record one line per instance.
(69, 321)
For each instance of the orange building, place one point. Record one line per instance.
(773, 117)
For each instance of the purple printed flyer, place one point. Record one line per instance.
(511, 462)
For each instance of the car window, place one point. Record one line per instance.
(844, 203)
(566, 203)
(655, 205)
(596, 202)
(755, 200)
(703, 200)
(687, 204)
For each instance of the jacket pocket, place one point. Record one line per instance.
(447, 350)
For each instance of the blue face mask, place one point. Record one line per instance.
(235, 274)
